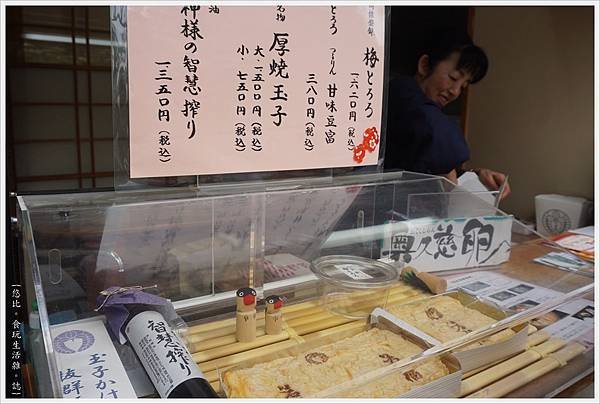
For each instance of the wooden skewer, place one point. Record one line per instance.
(225, 350)
(287, 310)
(216, 333)
(297, 322)
(514, 381)
(212, 376)
(234, 359)
(301, 313)
(206, 327)
(321, 325)
(220, 341)
(535, 338)
(506, 367)
(340, 329)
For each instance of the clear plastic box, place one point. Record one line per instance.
(199, 245)
(354, 286)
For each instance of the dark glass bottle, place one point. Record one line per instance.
(165, 358)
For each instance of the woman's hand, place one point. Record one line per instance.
(493, 180)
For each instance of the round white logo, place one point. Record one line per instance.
(556, 221)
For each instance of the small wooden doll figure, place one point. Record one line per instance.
(245, 324)
(273, 314)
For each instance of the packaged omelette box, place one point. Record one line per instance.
(446, 317)
(324, 366)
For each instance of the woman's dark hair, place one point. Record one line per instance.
(441, 44)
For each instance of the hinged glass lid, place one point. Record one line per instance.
(356, 272)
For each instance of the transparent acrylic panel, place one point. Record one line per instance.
(82, 250)
(35, 289)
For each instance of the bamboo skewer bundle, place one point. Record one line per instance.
(234, 359)
(506, 367)
(535, 338)
(514, 381)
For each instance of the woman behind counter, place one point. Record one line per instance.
(420, 136)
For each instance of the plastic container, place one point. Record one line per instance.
(353, 286)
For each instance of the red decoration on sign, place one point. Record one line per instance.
(369, 143)
(371, 139)
(359, 153)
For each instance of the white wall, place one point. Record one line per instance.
(533, 115)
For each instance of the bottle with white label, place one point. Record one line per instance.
(165, 358)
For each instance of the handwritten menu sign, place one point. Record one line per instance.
(88, 364)
(444, 244)
(217, 89)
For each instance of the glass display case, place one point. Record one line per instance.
(199, 245)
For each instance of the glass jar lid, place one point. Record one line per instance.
(356, 272)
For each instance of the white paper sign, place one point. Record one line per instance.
(444, 244)
(571, 321)
(231, 89)
(506, 292)
(88, 364)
